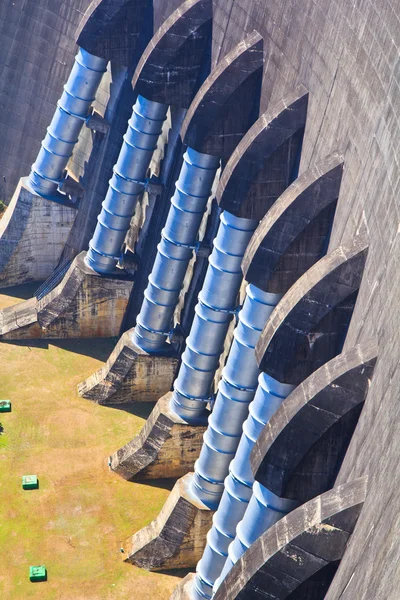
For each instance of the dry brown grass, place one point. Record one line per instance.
(74, 523)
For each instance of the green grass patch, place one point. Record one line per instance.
(74, 523)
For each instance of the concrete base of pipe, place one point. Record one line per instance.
(131, 375)
(166, 447)
(176, 538)
(33, 233)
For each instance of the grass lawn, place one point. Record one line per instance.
(74, 523)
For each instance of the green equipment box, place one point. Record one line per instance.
(5, 406)
(30, 482)
(38, 573)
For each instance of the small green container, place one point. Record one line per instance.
(38, 573)
(5, 406)
(30, 482)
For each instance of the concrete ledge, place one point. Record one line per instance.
(83, 305)
(299, 555)
(176, 538)
(33, 233)
(166, 447)
(131, 375)
(183, 591)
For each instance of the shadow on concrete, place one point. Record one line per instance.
(177, 572)
(164, 484)
(24, 292)
(139, 409)
(98, 348)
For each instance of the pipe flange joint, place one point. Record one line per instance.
(155, 331)
(227, 311)
(178, 244)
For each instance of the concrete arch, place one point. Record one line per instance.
(176, 60)
(117, 30)
(227, 104)
(262, 165)
(299, 452)
(309, 325)
(295, 232)
(297, 557)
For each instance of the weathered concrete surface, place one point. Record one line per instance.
(33, 232)
(170, 68)
(37, 48)
(299, 452)
(262, 164)
(347, 55)
(166, 447)
(130, 375)
(299, 554)
(84, 304)
(227, 103)
(310, 323)
(183, 591)
(116, 29)
(176, 538)
(294, 233)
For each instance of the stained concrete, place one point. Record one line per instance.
(83, 305)
(294, 233)
(300, 553)
(176, 538)
(33, 233)
(227, 103)
(309, 325)
(166, 447)
(37, 49)
(131, 374)
(262, 164)
(347, 57)
(299, 452)
(176, 60)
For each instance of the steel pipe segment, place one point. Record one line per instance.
(238, 486)
(235, 392)
(73, 108)
(126, 184)
(213, 314)
(192, 190)
(263, 511)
